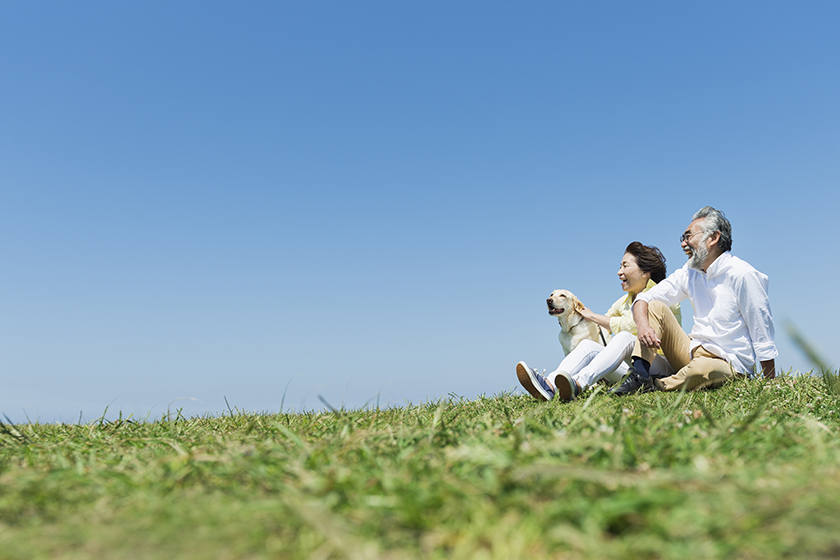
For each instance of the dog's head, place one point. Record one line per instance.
(563, 303)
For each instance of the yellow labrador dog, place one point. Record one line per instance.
(573, 327)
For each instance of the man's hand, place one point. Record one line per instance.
(646, 335)
(769, 369)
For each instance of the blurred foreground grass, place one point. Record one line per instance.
(748, 471)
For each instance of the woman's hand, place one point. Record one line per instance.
(589, 315)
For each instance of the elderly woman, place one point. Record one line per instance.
(642, 267)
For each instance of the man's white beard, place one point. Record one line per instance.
(698, 255)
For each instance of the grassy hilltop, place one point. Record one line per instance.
(748, 471)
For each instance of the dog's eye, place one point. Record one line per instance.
(562, 295)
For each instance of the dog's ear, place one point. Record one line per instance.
(578, 305)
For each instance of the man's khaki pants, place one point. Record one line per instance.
(695, 370)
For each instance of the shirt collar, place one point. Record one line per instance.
(629, 297)
(718, 265)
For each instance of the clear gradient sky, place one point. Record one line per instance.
(291, 203)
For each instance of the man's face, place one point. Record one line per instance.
(695, 244)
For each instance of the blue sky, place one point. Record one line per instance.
(281, 204)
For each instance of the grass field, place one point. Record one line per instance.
(751, 470)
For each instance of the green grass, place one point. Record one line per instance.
(748, 471)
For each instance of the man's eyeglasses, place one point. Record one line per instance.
(688, 235)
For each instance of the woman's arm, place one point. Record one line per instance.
(601, 320)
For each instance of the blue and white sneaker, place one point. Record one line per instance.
(534, 383)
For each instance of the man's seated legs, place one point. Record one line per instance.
(704, 371)
(674, 342)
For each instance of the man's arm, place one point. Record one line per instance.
(769, 368)
(670, 291)
(755, 309)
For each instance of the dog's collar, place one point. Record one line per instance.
(574, 320)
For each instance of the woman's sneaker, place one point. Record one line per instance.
(534, 383)
(567, 388)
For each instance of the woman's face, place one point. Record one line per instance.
(631, 276)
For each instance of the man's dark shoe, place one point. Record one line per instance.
(633, 383)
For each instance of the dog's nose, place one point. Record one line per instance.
(548, 302)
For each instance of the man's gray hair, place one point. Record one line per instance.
(715, 220)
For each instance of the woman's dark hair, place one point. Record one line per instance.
(649, 259)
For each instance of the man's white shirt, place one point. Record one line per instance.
(732, 317)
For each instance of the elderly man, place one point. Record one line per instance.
(733, 326)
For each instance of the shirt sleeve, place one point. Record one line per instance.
(623, 323)
(754, 303)
(670, 291)
(620, 319)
